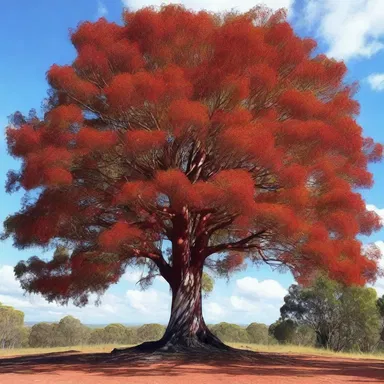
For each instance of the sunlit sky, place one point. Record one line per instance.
(34, 35)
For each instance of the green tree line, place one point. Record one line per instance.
(324, 315)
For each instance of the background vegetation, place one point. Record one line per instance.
(326, 315)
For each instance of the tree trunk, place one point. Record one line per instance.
(186, 329)
(322, 339)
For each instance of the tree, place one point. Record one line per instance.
(231, 333)
(150, 332)
(130, 336)
(222, 138)
(43, 335)
(360, 325)
(98, 337)
(305, 336)
(283, 331)
(317, 307)
(25, 332)
(11, 327)
(342, 317)
(258, 333)
(207, 284)
(72, 332)
(380, 307)
(115, 333)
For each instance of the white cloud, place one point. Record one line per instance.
(380, 212)
(242, 304)
(379, 284)
(213, 5)
(36, 308)
(248, 300)
(133, 276)
(351, 28)
(150, 301)
(101, 9)
(213, 311)
(8, 283)
(376, 81)
(113, 308)
(254, 300)
(16, 302)
(380, 245)
(251, 288)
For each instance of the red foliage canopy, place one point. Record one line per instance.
(224, 135)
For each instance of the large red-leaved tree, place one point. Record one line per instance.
(223, 136)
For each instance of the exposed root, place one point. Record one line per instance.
(158, 351)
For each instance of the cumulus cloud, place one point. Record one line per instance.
(249, 300)
(379, 284)
(376, 81)
(148, 302)
(214, 5)
(371, 207)
(213, 311)
(253, 289)
(243, 304)
(254, 300)
(113, 308)
(133, 276)
(380, 245)
(101, 9)
(8, 283)
(352, 28)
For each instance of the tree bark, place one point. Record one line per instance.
(186, 329)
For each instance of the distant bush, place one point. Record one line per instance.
(131, 336)
(150, 332)
(304, 336)
(113, 334)
(258, 333)
(11, 327)
(231, 333)
(345, 318)
(97, 337)
(43, 335)
(70, 331)
(283, 331)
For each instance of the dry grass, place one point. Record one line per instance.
(285, 349)
(299, 350)
(80, 348)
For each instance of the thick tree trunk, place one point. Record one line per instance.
(186, 329)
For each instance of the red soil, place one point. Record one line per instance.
(265, 369)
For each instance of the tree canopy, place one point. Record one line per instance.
(11, 327)
(342, 317)
(223, 137)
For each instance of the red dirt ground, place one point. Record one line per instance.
(265, 369)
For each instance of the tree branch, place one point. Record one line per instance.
(157, 257)
(237, 245)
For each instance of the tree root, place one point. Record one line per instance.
(158, 351)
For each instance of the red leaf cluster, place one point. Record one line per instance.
(23, 140)
(136, 192)
(187, 115)
(140, 141)
(119, 234)
(93, 139)
(66, 79)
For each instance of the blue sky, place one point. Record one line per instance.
(35, 35)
